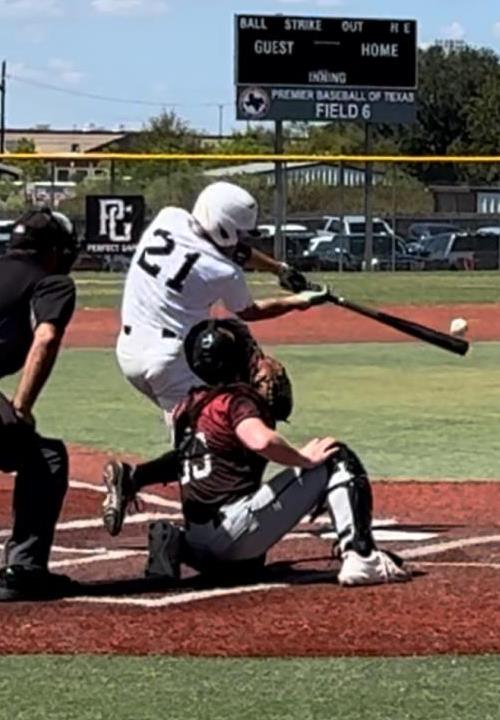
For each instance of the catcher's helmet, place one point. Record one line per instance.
(225, 212)
(216, 354)
(43, 229)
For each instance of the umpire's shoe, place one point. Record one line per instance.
(21, 584)
(117, 477)
(165, 548)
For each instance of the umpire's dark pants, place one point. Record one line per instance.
(40, 485)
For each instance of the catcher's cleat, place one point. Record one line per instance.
(117, 477)
(377, 568)
(164, 559)
(20, 584)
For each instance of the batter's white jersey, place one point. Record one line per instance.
(174, 279)
(176, 276)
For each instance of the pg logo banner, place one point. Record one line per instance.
(114, 223)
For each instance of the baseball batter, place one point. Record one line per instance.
(185, 264)
(225, 436)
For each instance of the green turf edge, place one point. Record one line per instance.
(440, 288)
(148, 688)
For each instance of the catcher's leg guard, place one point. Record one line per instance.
(350, 503)
(165, 542)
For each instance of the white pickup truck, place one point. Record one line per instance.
(348, 225)
(354, 225)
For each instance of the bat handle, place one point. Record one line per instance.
(335, 299)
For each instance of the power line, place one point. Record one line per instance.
(109, 98)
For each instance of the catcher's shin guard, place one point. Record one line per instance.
(165, 541)
(350, 502)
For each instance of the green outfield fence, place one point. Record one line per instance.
(290, 187)
(253, 157)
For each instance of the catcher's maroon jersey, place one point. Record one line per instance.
(217, 468)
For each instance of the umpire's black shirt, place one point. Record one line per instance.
(29, 296)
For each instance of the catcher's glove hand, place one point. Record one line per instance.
(270, 379)
(291, 279)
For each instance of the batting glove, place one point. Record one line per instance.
(291, 279)
(315, 295)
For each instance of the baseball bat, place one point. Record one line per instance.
(421, 332)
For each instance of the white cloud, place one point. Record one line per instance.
(455, 31)
(65, 71)
(130, 7)
(56, 72)
(14, 9)
(496, 29)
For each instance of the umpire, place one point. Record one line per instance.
(37, 300)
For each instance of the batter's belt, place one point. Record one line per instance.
(164, 332)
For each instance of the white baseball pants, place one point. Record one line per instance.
(156, 367)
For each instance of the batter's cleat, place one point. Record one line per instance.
(164, 559)
(20, 584)
(375, 569)
(117, 477)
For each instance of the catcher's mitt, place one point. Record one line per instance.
(270, 379)
(267, 375)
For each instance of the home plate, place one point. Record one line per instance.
(384, 530)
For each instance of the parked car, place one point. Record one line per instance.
(327, 256)
(423, 231)
(419, 234)
(6, 227)
(462, 251)
(267, 230)
(296, 241)
(313, 223)
(388, 252)
(353, 225)
(491, 230)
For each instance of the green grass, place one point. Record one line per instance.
(409, 410)
(180, 689)
(104, 289)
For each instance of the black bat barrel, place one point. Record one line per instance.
(421, 332)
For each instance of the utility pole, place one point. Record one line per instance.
(221, 119)
(3, 90)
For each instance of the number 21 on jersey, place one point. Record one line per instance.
(145, 261)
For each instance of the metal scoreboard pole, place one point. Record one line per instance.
(368, 199)
(279, 194)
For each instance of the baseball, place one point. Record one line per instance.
(458, 326)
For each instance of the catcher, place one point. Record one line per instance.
(224, 437)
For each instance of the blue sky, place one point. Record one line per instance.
(166, 52)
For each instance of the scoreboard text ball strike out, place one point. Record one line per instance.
(297, 68)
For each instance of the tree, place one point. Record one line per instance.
(453, 86)
(32, 169)
(483, 127)
(166, 133)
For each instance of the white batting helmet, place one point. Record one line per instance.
(223, 210)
